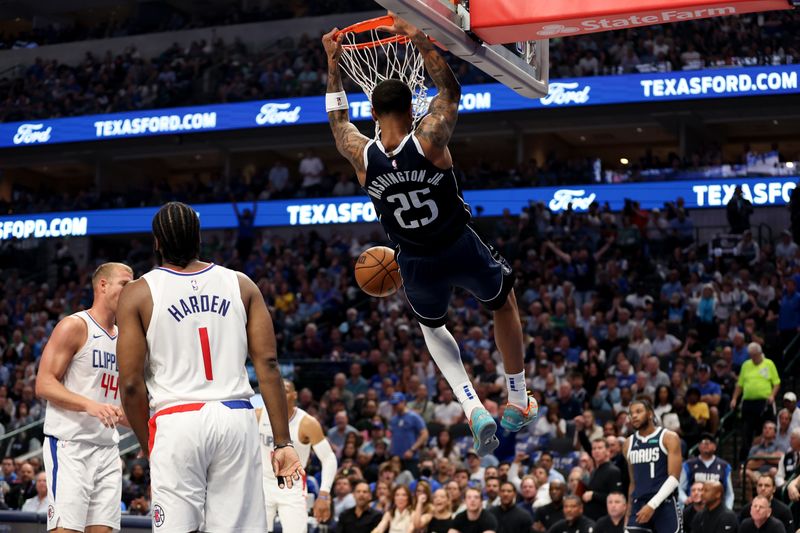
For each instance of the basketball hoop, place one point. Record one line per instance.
(370, 58)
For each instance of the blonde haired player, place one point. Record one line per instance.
(186, 329)
(78, 377)
(306, 433)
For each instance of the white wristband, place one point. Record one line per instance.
(336, 101)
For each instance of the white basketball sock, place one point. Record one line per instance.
(517, 393)
(445, 353)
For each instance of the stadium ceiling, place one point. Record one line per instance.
(12, 9)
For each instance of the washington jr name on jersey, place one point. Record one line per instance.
(381, 183)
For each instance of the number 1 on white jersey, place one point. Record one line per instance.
(206, 348)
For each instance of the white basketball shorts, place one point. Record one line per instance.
(290, 505)
(84, 484)
(205, 469)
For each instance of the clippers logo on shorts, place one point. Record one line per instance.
(50, 512)
(158, 515)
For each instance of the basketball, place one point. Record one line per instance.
(377, 272)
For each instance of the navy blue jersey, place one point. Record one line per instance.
(696, 470)
(419, 205)
(648, 459)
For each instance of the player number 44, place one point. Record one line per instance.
(110, 384)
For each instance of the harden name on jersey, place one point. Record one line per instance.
(199, 304)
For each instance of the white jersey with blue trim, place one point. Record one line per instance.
(268, 440)
(197, 337)
(93, 374)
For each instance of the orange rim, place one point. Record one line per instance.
(368, 25)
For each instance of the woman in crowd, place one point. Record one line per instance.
(350, 450)
(455, 497)
(550, 426)
(398, 518)
(663, 401)
(640, 344)
(446, 447)
(441, 516)
(381, 500)
(423, 511)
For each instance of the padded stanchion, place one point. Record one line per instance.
(508, 21)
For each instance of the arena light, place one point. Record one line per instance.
(624, 160)
(789, 164)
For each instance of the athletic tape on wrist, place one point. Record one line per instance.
(336, 101)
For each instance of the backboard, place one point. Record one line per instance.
(523, 66)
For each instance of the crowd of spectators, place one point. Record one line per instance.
(613, 306)
(150, 19)
(311, 177)
(215, 71)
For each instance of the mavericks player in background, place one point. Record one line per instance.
(79, 379)
(186, 329)
(306, 433)
(409, 177)
(654, 463)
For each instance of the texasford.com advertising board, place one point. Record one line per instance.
(567, 92)
(700, 194)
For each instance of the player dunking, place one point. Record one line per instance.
(409, 178)
(79, 379)
(306, 433)
(186, 329)
(654, 462)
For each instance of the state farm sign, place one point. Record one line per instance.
(505, 21)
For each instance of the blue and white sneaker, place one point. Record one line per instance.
(483, 429)
(514, 418)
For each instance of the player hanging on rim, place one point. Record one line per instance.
(654, 462)
(409, 177)
(186, 329)
(78, 377)
(306, 434)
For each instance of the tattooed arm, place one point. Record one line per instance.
(437, 127)
(349, 141)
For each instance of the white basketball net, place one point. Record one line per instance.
(386, 59)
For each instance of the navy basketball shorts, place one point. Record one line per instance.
(469, 263)
(666, 519)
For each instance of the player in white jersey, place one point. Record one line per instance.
(79, 379)
(186, 329)
(306, 433)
